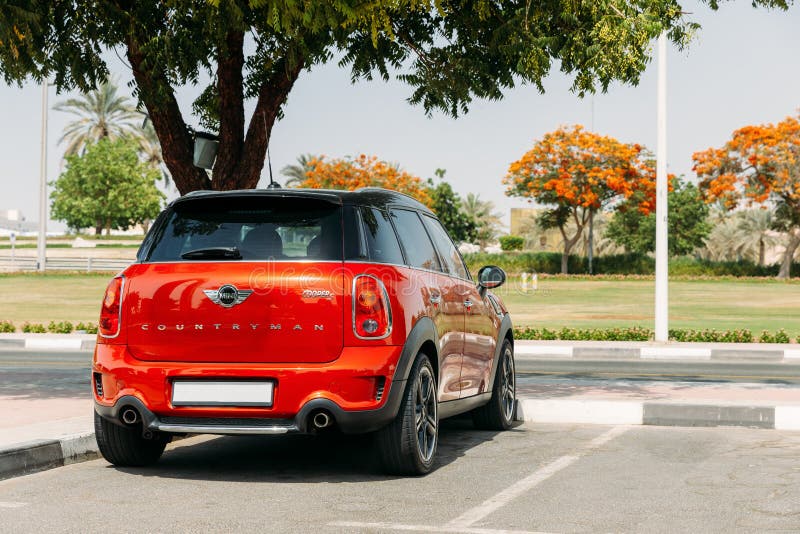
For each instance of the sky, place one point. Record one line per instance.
(741, 68)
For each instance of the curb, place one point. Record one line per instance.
(733, 352)
(40, 455)
(48, 341)
(607, 412)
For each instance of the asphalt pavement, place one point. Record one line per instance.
(534, 478)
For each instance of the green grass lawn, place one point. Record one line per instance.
(721, 304)
(51, 297)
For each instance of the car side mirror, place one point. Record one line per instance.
(490, 277)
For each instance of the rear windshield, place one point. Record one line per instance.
(247, 229)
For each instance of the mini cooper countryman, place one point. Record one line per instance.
(300, 311)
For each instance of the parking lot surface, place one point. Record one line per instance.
(535, 478)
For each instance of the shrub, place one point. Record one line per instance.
(778, 337)
(622, 264)
(638, 333)
(62, 327)
(33, 328)
(7, 327)
(511, 242)
(89, 328)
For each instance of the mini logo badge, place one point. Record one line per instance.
(227, 296)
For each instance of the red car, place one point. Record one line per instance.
(280, 311)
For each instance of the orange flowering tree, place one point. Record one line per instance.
(576, 173)
(362, 171)
(758, 165)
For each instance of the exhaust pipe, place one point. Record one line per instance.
(321, 420)
(130, 416)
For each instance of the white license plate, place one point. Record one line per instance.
(221, 393)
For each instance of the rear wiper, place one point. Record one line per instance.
(216, 253)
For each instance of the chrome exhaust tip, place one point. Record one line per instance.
(130, 416)
(321, 420)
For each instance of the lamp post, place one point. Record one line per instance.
(662, 251)
(41, 241)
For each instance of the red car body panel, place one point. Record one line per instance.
(295, 328)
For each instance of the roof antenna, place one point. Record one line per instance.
(272, 183)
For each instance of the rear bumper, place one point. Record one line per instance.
(357, 390)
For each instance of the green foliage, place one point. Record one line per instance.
(511, 242)
(688, 223)
(777, 337)
(446, 203)
(7, 327)
(106, 187)
(638, 333)
(712, 336)
(635, 264)
(449, 53)
(33, 328)
(89, 328)
(61, 327)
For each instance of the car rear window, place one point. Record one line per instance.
(249, 229)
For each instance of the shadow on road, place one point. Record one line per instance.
(305, 459)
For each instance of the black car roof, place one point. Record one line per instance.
(366, 196)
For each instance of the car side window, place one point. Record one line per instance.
(415, 240)
(382, 245)
(447, 250)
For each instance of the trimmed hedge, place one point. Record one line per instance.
(61, 327)
(638, 333)
(639, 264)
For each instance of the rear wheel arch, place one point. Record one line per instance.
(421, 338)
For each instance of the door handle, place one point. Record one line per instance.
(436, 299)
(467, 303)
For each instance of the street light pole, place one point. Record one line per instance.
(41, 241)
(662, 250)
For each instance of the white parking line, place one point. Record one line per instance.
(472, 516)
(426, 528)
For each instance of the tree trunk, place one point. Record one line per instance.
(98, 228)
(241, 153)
(788, 256)
(108, 227)
(568, 244)
(761, 251)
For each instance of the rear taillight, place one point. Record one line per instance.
(372, 316)
(112, 305)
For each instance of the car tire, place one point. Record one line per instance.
(499, 412)
(124, 446)
(408, 444)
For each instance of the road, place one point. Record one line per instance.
(546, 478)
(70, 370)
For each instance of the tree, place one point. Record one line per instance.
(106, 187)
(487, 221)
(758, 165)
(688, 223)
(756, 232)
(296, 174)
(448, 53)
(578, 173)
(447, 205)
(101, 114)
(363, 171)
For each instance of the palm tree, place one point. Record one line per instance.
(101, 114)
(296, 173)
(755, 233)
(487, 221)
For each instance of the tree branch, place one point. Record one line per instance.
(230, 93)
(271, 97)
(176, 143)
